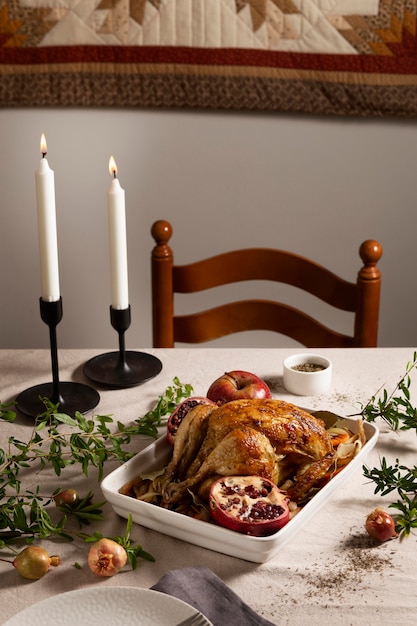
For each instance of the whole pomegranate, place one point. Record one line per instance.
(252, 505)
(106, 557)
(33, 562)
(180, 412)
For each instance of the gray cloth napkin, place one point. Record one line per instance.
(204, 590)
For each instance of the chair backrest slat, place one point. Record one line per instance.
(361, 298)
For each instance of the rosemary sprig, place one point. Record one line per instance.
(394, 477)
(406, 519)
(396, 408)
(58, 441)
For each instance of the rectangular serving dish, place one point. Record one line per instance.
(208, 535)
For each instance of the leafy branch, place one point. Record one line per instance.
(396, 408)
(398, 412)
(58, 441)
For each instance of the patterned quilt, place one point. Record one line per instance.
(331, 57)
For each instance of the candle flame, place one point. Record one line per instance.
(112, 167)
(44, 147)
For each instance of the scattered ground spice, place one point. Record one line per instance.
(348, 571)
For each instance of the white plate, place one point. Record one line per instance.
(205, 534)
(106, 606)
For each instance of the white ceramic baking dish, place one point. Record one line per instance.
(206, 534)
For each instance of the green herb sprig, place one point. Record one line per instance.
(58, 441)
(396, 408)
(166, 404)
(398, 412)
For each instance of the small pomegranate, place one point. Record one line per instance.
(252, 505)
(68, 498)
(380, 525)
(106, 557)
(180, 412)
(33, 562)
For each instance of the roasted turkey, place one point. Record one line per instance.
(270, 438)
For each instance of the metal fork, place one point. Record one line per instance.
(195, 620)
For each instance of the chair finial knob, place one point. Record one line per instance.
(370, 252)
(161, 231)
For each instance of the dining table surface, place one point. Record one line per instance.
(329, 572)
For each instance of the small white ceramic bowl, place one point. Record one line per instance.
(307, 374)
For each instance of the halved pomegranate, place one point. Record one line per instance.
(252, 505)
(180, 412)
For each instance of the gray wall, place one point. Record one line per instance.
(316, 186)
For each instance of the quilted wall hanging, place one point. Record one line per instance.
(326, 57)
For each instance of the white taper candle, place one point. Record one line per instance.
(48, 245)
(117, 241)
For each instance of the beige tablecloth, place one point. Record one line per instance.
(328, 573)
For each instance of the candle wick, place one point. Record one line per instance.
(114, 174)
(44, 154)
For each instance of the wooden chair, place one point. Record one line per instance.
(361, 297)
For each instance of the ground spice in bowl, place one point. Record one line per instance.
(308, 367)
(307, 374)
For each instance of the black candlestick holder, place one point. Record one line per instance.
(124, 368)
(71, 396)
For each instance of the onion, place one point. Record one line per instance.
(380, 525)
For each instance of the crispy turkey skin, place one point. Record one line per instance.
(270, 438)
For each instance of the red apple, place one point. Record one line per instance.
(237, 385)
